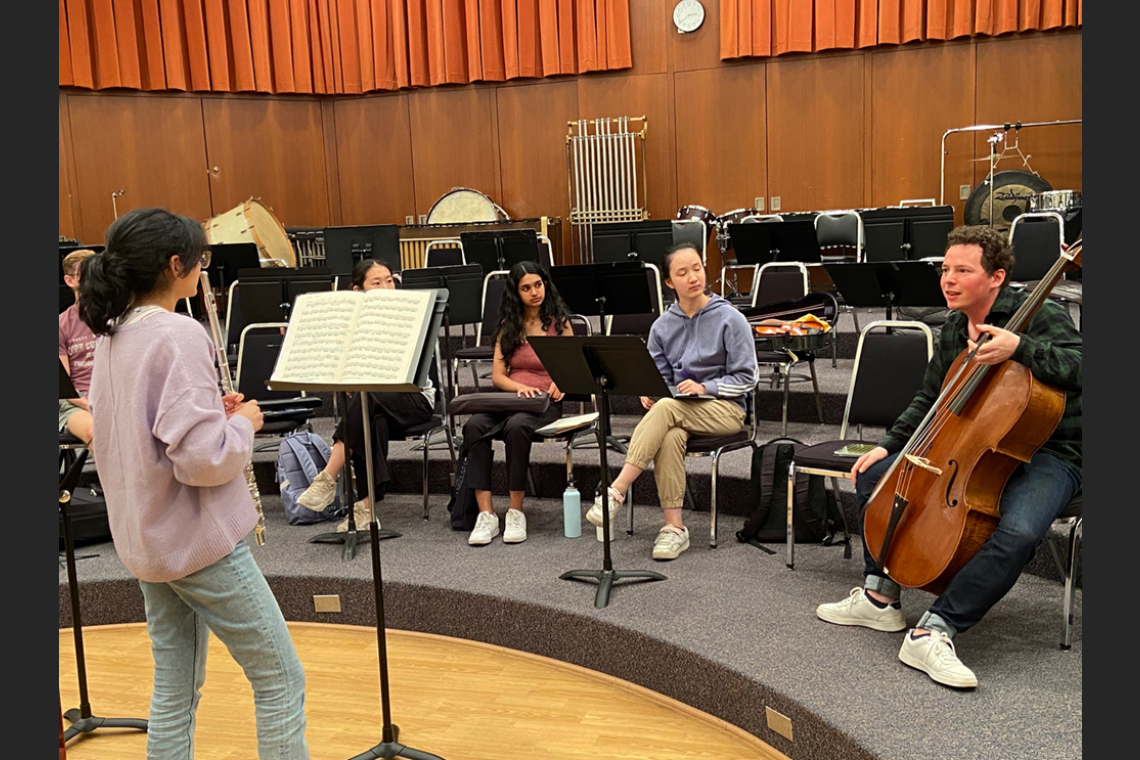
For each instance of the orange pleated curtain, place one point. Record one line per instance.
(334, 46)
(757, 28)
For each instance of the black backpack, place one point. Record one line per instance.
(89, 522)
(816, 515)
(462, 507)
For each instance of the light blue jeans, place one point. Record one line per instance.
(232, 599)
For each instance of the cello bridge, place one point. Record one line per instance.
(924, 463)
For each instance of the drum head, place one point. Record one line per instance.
(1012, 190)
(269, 234)
(462, 205)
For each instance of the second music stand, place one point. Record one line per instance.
(888, 284)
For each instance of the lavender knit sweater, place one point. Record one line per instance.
(170, 462)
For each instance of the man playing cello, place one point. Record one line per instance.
(974, 278)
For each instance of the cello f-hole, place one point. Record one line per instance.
(949, 486)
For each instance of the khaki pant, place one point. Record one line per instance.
(662, 434)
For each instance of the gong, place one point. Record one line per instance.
(1012, 190)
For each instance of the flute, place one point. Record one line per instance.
(227, 389)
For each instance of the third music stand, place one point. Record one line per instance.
(602, 365)
(888, 284)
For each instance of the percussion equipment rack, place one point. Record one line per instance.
(606, 183)
(1003, 128)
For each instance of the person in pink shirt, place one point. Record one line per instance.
(77, 352)
(172, 455)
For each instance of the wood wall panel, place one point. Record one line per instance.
(66, 222)
(374, 160)
(918, 94)
(650, 21)
(151, 146)
(1035, 78)
(699, 49)
(532, 148)
(721, 137)
(270, 149)
(649, 96)
(815, 132)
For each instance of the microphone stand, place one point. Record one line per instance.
(83, 721)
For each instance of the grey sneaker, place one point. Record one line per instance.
(934, 655)
(857, 609)
(359, 516)
(516, 527)
(319, 494)
(486, 528)
(669, 544)
(594, 515)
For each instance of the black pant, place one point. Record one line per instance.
(392, 414)
(517, 434)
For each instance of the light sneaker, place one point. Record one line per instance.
(594, 516)
(669, 544)
(857, 609)
(359, 516)
(516, 527)
(486, 528)
(319, 494)
(934, 654)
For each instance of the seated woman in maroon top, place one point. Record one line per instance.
(531, 306)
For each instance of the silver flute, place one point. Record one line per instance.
(228, 388)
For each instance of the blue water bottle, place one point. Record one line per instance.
(571, 511)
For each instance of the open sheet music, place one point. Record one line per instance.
(354, 340)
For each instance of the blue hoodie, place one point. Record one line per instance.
(714, 347)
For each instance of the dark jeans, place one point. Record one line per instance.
(1033, 498)
(517, 434)
(392, 414)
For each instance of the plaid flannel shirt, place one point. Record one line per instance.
(1051, 348)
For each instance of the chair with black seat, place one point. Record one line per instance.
(714, 447)
(494, 285)
(840, 234)
(1072, 517)
(422, 434)
(693, 232)
(888, 371)
(285, 412)
(822, 305)
(444, 253)
(1037, 240)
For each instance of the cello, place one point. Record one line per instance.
(937, 504)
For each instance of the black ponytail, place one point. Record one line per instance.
(139, 247)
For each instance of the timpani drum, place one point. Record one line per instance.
(463, 205)
(252, 222)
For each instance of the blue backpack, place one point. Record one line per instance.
(300, 459)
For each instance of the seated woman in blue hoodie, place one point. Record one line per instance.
(704, 347)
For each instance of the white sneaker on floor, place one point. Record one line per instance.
(486, 528)
(359, 516)
(594, 516)
(319, 494)
(515, 532)
(669, 544)
(857, 609)
(934, 654)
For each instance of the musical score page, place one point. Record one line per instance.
(353, 339)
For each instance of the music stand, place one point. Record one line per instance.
(464, 303)
(483, 248)
(603, 365)
(345, 246)
(794, 240)
(267, 294)
(228, 259)
(604, 290)
(888, 284)
(518, 246)
(83, 721)
(754, 243)
(389, 746)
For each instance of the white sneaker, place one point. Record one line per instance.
(359, 516)
(857, 609)
(669, 544)
(516, 527)
(319, 494)
(594, 516)
(934, 654)
(486, 528)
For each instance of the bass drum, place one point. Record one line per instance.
(252, 222)
(462, 205)
(1012, 190)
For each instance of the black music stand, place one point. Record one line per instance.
(767, 242)
(345, 246)
(888, 284)
(389, 746)
(604, 290)
(267, 294)
(83, 721)
(228, 259)
(518, 246)
(464, 303)
(603, 365)
(483, 248)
